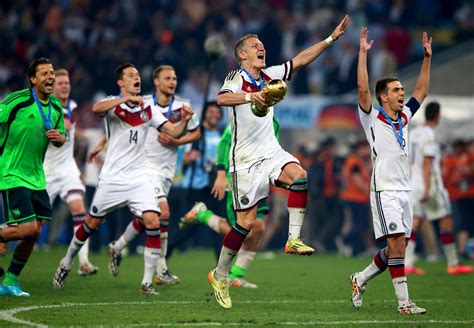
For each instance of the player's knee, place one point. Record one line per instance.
(258, 226)
(30, 232)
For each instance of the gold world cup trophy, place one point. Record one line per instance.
(273, 92)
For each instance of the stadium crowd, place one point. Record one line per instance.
(90, 38)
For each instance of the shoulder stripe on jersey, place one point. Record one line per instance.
(17, 95)
(11, 118)
(231, 75)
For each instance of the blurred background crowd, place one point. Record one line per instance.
(90, 38)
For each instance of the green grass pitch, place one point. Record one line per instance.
(293, 291)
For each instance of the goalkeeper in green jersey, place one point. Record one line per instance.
(29, 120)
(200, 213)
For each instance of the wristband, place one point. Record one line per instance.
(329, 40)
(248, 97)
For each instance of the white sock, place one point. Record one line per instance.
(244, 258)
(213, 223)
(295, 222)
(74, 247)
(225, 261)
(369, 273)
(401, 289)
(410, 254)
(164, 251)
(128, 235)
(451, 254)
(150, 257)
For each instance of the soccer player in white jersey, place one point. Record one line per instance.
(386, 129)
(256, 158)
(123, 180)
(62, 174)
(430, 197)
(161, 151)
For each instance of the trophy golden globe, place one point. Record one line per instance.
(273, 92)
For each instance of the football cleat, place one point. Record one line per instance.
(13, 290)
(115, 259)
(408, 307)
(241, 282)
(60, 277)
(166, 278)
(414, 270)
(297, 246)
(357, 291)
(191, 216)
(87, 269)
(147, 289)
(221, 290)
(459, 269)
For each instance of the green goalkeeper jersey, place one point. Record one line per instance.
(223, 149)
(23, 140)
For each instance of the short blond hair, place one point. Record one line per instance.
(61, 72)
(240, 45)
(157, 71)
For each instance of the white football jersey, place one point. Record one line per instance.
(253, 137)
(423, 144)
(60, 160)
(390, 161)
(126, 129)
(163, 158)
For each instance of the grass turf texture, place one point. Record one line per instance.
(296, 291)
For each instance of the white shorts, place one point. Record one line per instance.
(392, 213)
(436, 207)
(161, 184)
(137, 194)
(252, 183)
(65, 186)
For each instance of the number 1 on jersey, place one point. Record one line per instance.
(133, 136)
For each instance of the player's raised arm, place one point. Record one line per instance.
(423, 83)
(104, 106)
(177, 129)
(363, 90)
(309, 55)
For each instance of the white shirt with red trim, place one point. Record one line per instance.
(390, 160)
(162, 157)
(60, 160)
(423, 144)
(126, 129)
(253, 137)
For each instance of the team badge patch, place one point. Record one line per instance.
(244, 200)
(392, 226)
(144, 116)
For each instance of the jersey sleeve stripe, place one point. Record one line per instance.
(14, 96)
(290, 69)
(161, 125)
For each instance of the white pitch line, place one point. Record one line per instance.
(9, 315)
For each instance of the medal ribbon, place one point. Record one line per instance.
(398, 135)
(46, 120)
(170, 106)
(254, 83)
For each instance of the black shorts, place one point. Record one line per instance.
(23, 205)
